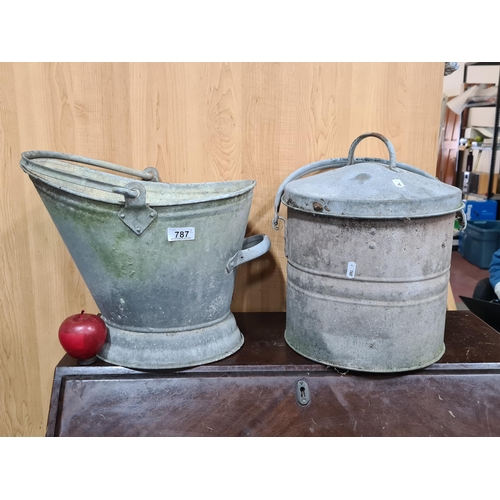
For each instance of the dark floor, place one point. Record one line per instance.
(463, 278)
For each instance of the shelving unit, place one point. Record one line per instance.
(464, 119)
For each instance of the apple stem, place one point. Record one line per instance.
(83, 310)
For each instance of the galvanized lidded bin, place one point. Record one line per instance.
(159, 259)
(369, 249)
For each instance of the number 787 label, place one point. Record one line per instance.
(180, 233)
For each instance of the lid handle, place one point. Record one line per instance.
(387, 142)
(342, 162)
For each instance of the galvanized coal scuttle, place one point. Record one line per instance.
(159, 259)
(369, 250)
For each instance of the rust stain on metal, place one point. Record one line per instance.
(318, 207)
(292, 203)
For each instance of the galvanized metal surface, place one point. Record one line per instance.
(368, 265)
(49, 166)
(136, 214)
(367, 188)
(389, 316)
(372, 191)
(166, 302)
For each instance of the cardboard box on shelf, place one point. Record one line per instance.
(473, 132)
(478, 183)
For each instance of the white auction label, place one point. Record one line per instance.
(398, 183)
(180, 233)
(351, 270)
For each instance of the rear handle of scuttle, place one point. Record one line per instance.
(253, 247)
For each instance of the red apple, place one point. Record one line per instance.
(82, 335)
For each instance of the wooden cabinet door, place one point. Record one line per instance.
(448, 149)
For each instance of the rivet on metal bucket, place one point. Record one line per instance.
(136, 214)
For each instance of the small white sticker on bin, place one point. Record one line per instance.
(351, 270)
(398, 183)
(180, 233)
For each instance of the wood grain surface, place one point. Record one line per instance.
(194, 122)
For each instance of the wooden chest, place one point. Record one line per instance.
(266, 389)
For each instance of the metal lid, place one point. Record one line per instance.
(369, 188)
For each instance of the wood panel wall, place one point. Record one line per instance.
(194, 122)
